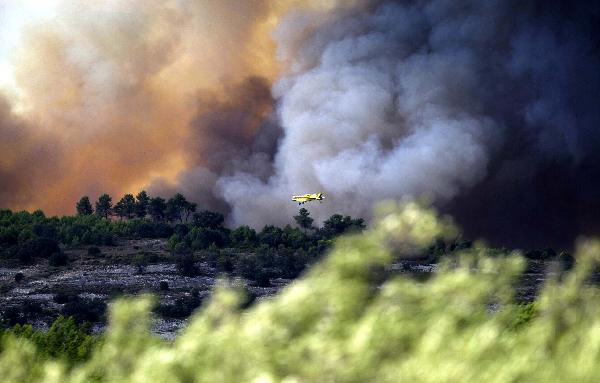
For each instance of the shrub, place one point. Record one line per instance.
(140, 262)
(187, 266)
(525, 313)
(173, 241)
(541, 254)
(37, 247)
(19, 277)
(58, 259)
(27, 312)
(182, 307)
(208, 219)
(162, 230)
(262, 278)
(181, 229)
(94, 250)
(244, 237)
(64, 341)
(291, 263)
(335, 325)
(84, 310)
(566, 261)
(63, 297)
(247, 266)
(203, 238)
(225, 262)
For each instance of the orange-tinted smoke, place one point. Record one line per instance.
(108, 90)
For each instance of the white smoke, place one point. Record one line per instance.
(374, 106)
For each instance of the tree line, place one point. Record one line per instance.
(26, 236)
(176, 208)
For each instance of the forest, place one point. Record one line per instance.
(196, 242)
(346, 320)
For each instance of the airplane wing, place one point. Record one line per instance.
(307, 197)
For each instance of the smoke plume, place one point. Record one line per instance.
(108, 90)
(490, 108)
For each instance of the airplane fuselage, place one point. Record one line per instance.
(307, 198)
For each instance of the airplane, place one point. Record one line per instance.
(301, 199)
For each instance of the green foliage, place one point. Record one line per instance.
(244, 237)
(186, 265)
(37, 247)
(303, 220)
(525, 314)
(140, 262)
(334, 325)
(338, 224)
(142, 200)
(271, 236)
(182, 307)
(541, 254)
(84, 206)
(208, 219)
(104, 206)
(84, 310)
(125, 208)
(58, 259)
(27, 236)
(26, 312)
(178, 208)
(157, 208)
(173, 241)
(202, 237)
(86, 230)
(64, 341)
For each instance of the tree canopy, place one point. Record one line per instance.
(104, 206)
(84, 206)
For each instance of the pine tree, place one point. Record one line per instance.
(104, 206)
(84, 206)
(125, 207)
(156, 208)
(303, 220)
(141, 204)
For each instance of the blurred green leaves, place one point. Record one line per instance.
(336, 324)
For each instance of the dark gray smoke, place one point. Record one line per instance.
(26, 159)
(231, 133)
(491, 108)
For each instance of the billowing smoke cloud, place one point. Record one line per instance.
(494, 102)
(231, 133)
(26, 157)
(488, 107)
(109, 89)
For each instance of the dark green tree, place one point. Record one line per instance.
(208, 219)
(104, 206)
(156, 208)
(84, 206)
(125, 208)
(178, 206)
(271, 236)
(338, 224)
(243, 236)
(189, 208)
(303, 220)
(141, 204)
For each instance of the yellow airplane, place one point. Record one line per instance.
(307, 198)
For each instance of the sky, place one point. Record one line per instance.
(487, 108)
(14, 17)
